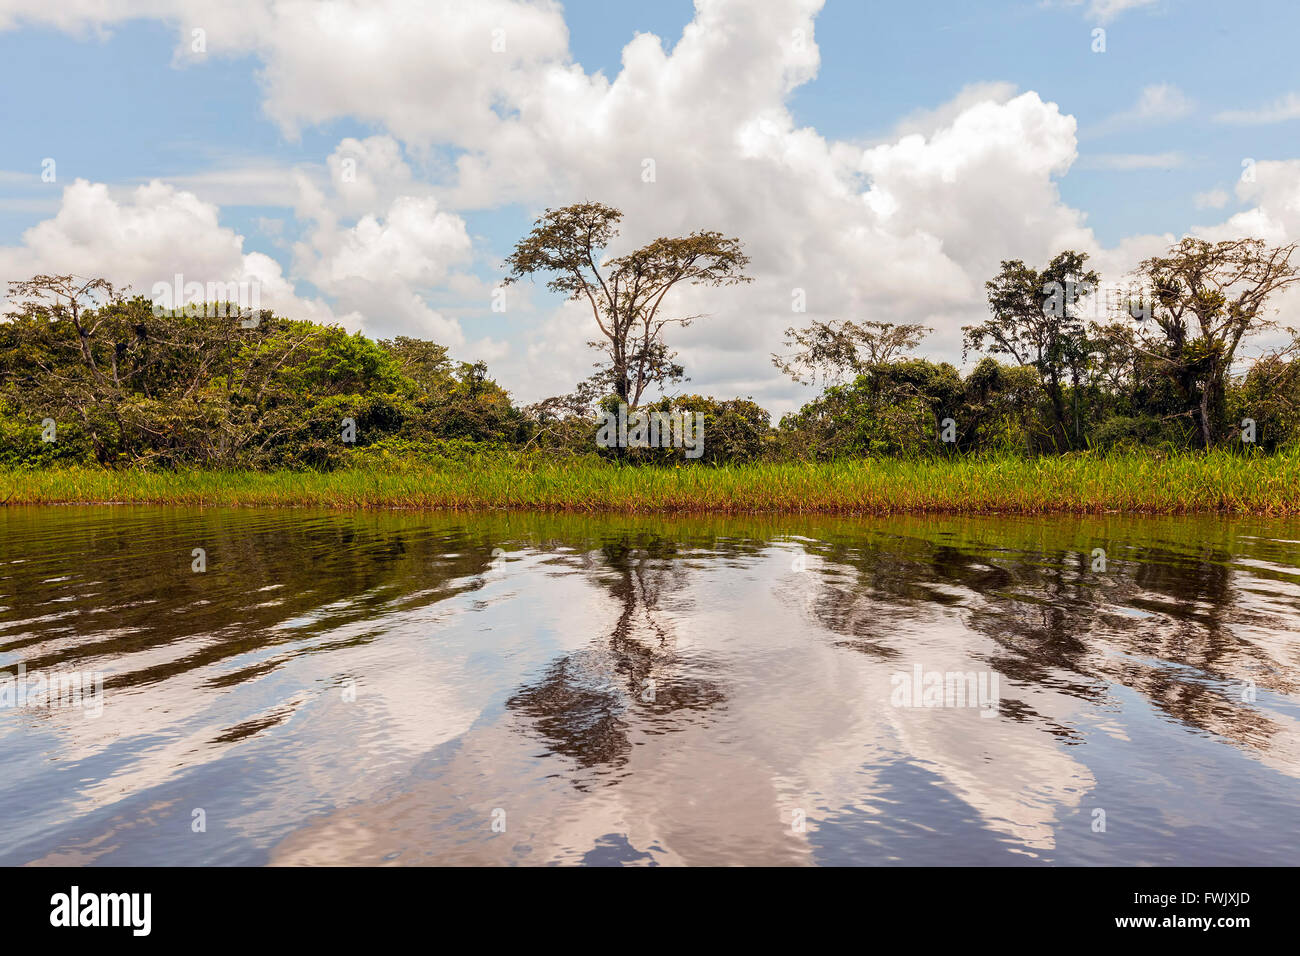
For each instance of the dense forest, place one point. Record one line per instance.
(90, 375)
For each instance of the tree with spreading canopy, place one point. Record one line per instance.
(626, 293)
(1204, 298)
(836, 348)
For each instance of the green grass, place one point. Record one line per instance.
(1134, 483)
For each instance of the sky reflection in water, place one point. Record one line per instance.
(378, 688)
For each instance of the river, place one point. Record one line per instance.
(289, 686)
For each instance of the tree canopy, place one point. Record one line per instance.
(89, 373)
(626, 293)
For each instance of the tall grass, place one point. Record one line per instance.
(1134, 483)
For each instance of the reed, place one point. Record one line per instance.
(1134, 483)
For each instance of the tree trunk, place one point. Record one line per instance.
(1058, 409)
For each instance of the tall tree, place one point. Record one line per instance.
(1036, 322)
(626, 293)
(1203, 299)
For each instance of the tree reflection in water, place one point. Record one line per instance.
(580, 707)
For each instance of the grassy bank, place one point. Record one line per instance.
(1143, 484)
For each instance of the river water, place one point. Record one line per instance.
(409, 688)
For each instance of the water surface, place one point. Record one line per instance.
(414, 689)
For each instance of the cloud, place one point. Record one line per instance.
(146, 237)
(399, 244)
(369, 174)
(906, 230)
(1162, 101)
(1131, 161)
(415, 243)
(376, 268)
(1158, 103)
(379, 266)
(263, 183)
(1275, 213)
(380, 61)
(480, 106)
(1107, 10)
(1279, 111)
(928, 122)
(1274, 216)
(1104, 11)
(1211, 199)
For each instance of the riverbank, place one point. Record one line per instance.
(1134, 483)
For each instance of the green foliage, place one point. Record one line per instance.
(1035, 322)
(130, 385)
(1270, 395)
(1203, 300)
(1080, 482)
(735, 430)
(21, 443)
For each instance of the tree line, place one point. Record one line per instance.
(91, 374)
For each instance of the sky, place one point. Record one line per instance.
(371, 163)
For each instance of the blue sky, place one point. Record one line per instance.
(115, 100)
